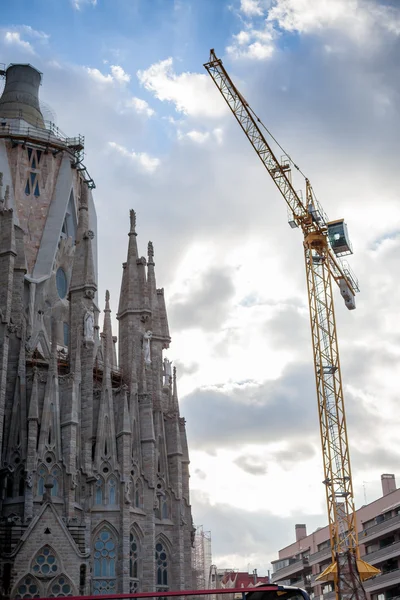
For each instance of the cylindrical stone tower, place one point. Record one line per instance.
(20, 98)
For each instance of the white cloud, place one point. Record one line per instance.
(34, 33)
(191, 93)
(14, 38)
(251, 8)
(253, 43)
(199, 137)
(98, 76)
(140, 106)
(356, 17)
(142, 159)
(78, 4)
(119, 74)
(359, 20)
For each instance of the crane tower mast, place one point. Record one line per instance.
(324, 243)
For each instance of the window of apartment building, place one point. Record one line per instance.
(280, 564)
(323, 545)
(369, 524)
(387, 541)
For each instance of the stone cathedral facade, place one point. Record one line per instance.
(94, 464)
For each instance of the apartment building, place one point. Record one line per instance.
(378, 526)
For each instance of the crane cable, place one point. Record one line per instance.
(276, 141)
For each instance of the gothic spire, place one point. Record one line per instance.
(129, 297)
(174, 399)
(152, 290)
(163, 314)
(83, 273)
(106, 449)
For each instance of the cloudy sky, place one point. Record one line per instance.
(324, 76)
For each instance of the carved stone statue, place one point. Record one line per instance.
(74, 481)
(167, 371)
(146, 347)
(127, 492)
(89, 326)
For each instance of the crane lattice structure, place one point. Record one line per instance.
(201, 557)
(325, 243)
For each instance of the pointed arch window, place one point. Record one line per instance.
(105, 558)
(112, 490)
(45, 563)
(162, 578)
(162, 510)
(99, 494)
(60, 587)
(134, 556)
(32, 182)
(42, 474)
(56, 479)
(28, 587)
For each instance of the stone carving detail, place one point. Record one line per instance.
(127, 492)
(167, 371)
(146, 347)
(89, 326)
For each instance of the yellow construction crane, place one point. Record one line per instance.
(325, 243)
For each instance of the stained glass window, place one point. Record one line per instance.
(133, 556)
(161, 567)
(164, 507)
(104, 586)
(28, 588)
(45, 563)
(60, 587)
(104, 555)
(42, 473)
(99, 491)
(56, 476)
(112, 492)
(61, 282)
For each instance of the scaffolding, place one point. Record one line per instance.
(201, 558)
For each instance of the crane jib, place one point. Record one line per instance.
(314, 220)
(324, 244)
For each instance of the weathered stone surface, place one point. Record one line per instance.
(93, 450)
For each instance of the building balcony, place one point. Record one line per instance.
(382, 581)
(379, 529)
(287, 572)
(320, 556)
(382, 554)
(302, 582)
(314, 582)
